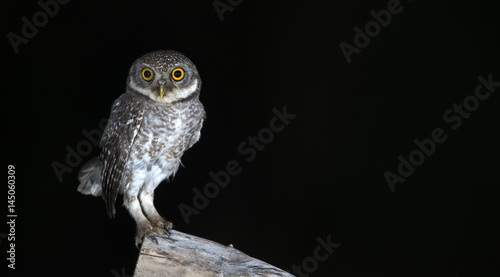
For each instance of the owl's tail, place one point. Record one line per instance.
(90, 178)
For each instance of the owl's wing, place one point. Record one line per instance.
(117, 140)
(197, 133)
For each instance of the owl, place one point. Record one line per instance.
(151, 125)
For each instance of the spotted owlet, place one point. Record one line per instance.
(151, 125)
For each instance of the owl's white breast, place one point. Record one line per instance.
(164, 136)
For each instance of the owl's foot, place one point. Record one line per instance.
(148, 229)
(145, 229)
(161, 225)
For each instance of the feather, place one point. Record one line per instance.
(125, 122)
(90, 178)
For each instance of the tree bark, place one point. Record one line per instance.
(187, 255)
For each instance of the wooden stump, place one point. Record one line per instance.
(187, 255)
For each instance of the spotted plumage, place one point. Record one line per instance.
(150, 126)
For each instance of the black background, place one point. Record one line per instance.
(321, 176)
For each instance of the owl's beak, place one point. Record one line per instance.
(163, 89)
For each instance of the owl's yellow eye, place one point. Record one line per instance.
(147, 74)
(178, 74)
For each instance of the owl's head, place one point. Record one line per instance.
(165, 76)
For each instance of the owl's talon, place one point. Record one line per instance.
(138, 244)
(153, 239)
(145, 229)
(163, 226)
